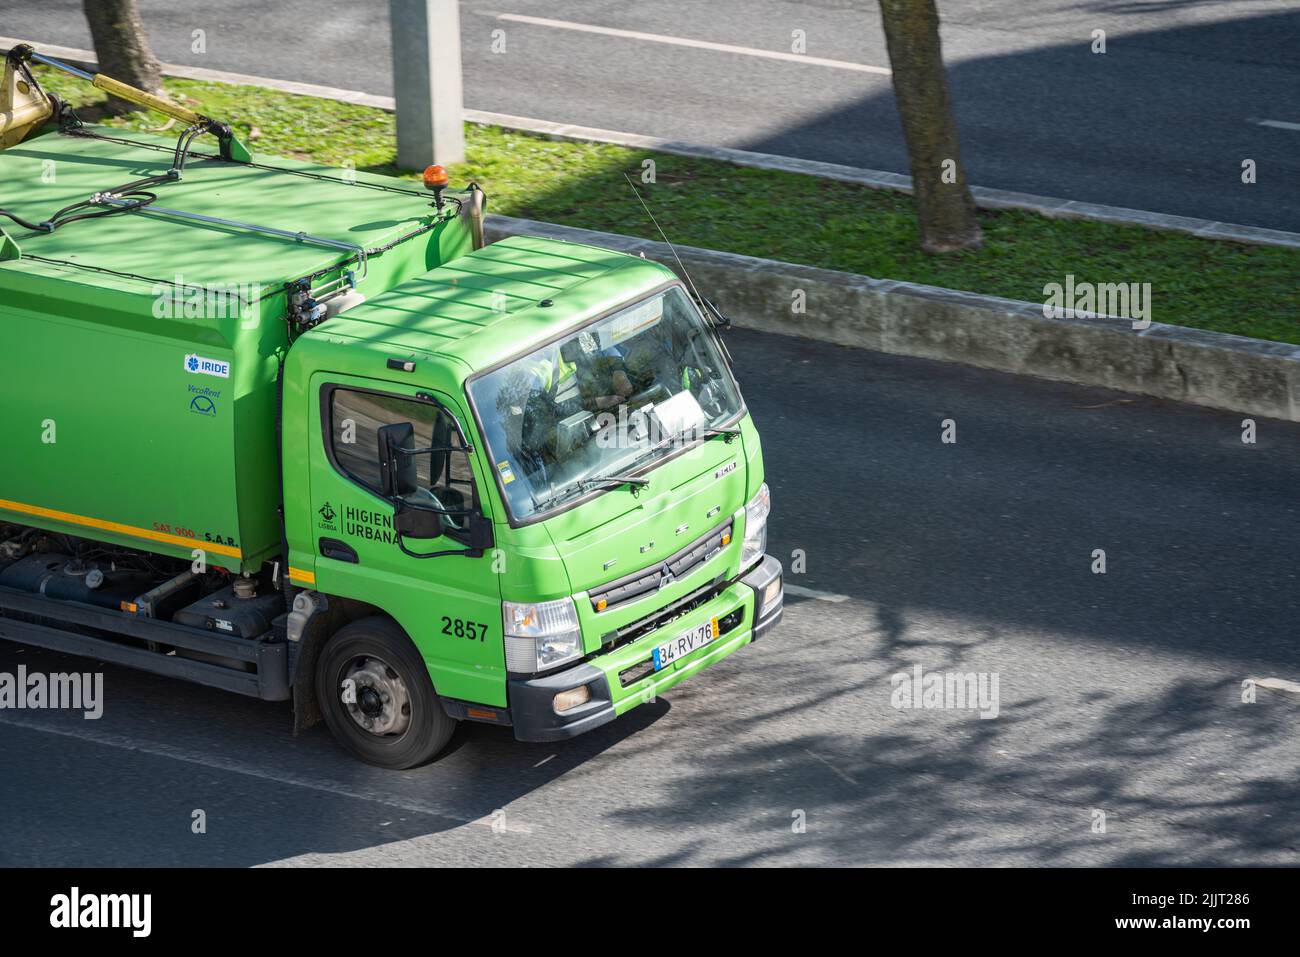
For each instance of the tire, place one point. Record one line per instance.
(377, 698)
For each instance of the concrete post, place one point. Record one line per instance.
(427, 82)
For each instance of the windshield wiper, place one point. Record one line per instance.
(587, 483)
(729, 431)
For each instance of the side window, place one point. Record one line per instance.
(443, 478)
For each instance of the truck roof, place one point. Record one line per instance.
(487, 305)
(48, 172)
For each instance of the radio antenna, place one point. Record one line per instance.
(710, 310)
(671, 247)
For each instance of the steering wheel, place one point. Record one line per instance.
(656, 393)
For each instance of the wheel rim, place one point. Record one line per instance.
(375, 696)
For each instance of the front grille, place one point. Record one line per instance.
(663, 616)
(651, 579)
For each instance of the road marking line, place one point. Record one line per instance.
(1106, 405)
(225, 764)
(1278, 684)
(800, 592)
(1278, 124)
(686, 42)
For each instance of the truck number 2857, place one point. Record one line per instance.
(464, 629)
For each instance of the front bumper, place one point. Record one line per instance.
(532, 700)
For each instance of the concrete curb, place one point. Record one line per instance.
(876, 179)
(1212, 369)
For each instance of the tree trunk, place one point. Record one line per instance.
(945, 210)
(122, 48)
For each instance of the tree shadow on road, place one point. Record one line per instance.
(917, 798)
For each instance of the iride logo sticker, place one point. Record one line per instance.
(198, 365)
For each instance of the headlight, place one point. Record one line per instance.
(756, 513)
(540, 635)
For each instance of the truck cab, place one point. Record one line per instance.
(536, 460)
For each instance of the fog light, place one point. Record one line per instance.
(568, 700)
(772, 593)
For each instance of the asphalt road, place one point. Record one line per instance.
(1118, 693)
(1186, 91)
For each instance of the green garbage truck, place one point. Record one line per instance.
(299, 433)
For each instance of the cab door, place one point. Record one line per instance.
(450, 605)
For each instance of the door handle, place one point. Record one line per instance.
(339, 551)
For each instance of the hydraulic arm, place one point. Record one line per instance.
(24, 106)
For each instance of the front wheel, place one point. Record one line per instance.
(377, 697)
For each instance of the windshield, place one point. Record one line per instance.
(610, 399)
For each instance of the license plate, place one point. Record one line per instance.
(685, 643)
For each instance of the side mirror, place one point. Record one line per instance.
(423, 523)
(480, 532)
(417, 522)
(719, 324)
(722, 322)
(399, 477)
(397, 470)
